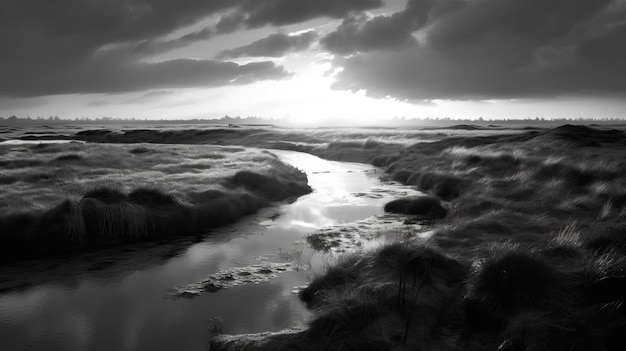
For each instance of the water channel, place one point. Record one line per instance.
(117, 299)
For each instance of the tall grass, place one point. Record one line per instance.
(106, 198)
(38, 178)
(105, 216)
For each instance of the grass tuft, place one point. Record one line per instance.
(70, 157)
(140, 150)
(507, 284)
(425, 206)
(106, 195)
(151, 197)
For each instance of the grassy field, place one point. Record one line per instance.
(531, 254)
(527, 252)
(66, 197)
(341, 144)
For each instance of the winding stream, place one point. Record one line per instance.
(116, 299)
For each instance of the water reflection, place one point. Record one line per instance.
(114, 299)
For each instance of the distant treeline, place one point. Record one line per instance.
(253, 120)
(537, 121)
(14, 120)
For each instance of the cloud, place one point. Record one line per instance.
(281, 12)
(157, 46)
(360, 34)
(274, 45)
(151, 96)
(54, 47)
(98, 103)
(110, 73)
(485, 49)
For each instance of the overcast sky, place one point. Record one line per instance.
(313, 60)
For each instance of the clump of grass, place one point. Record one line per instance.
(383, 160)
(384, 296)
(140, 150)
(267, 186)
(425, 206)
(112, 222)
(205, 196)
(401, 176)
(611, 238)
(336, 277)
(539, 331)
(151, 197)
(106, 195)
(442, 185)
(505, 285)
(70, 157)
(348, 327)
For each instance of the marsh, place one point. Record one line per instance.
(509, 237)
(93, 299)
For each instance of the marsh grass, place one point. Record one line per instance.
(384, 297)
(424, 206)
(531, 255)
(62, 198)
(540, 217)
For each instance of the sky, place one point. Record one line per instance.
(313, 61)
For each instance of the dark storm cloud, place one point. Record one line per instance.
(485, 49)
(384, 32)
(274, 45)
(157, 46)
(112, 73)
(257, 13)
(51, 47)
(282, 12)
(358, 34)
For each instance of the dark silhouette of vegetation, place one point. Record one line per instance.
(140, 150)
(69, 157)
(424, 206)
(106, 216)
(267, 186)
(504, 286)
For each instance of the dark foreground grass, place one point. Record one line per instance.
(109, 214)
(531, 254)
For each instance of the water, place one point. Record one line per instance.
(115, 299)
